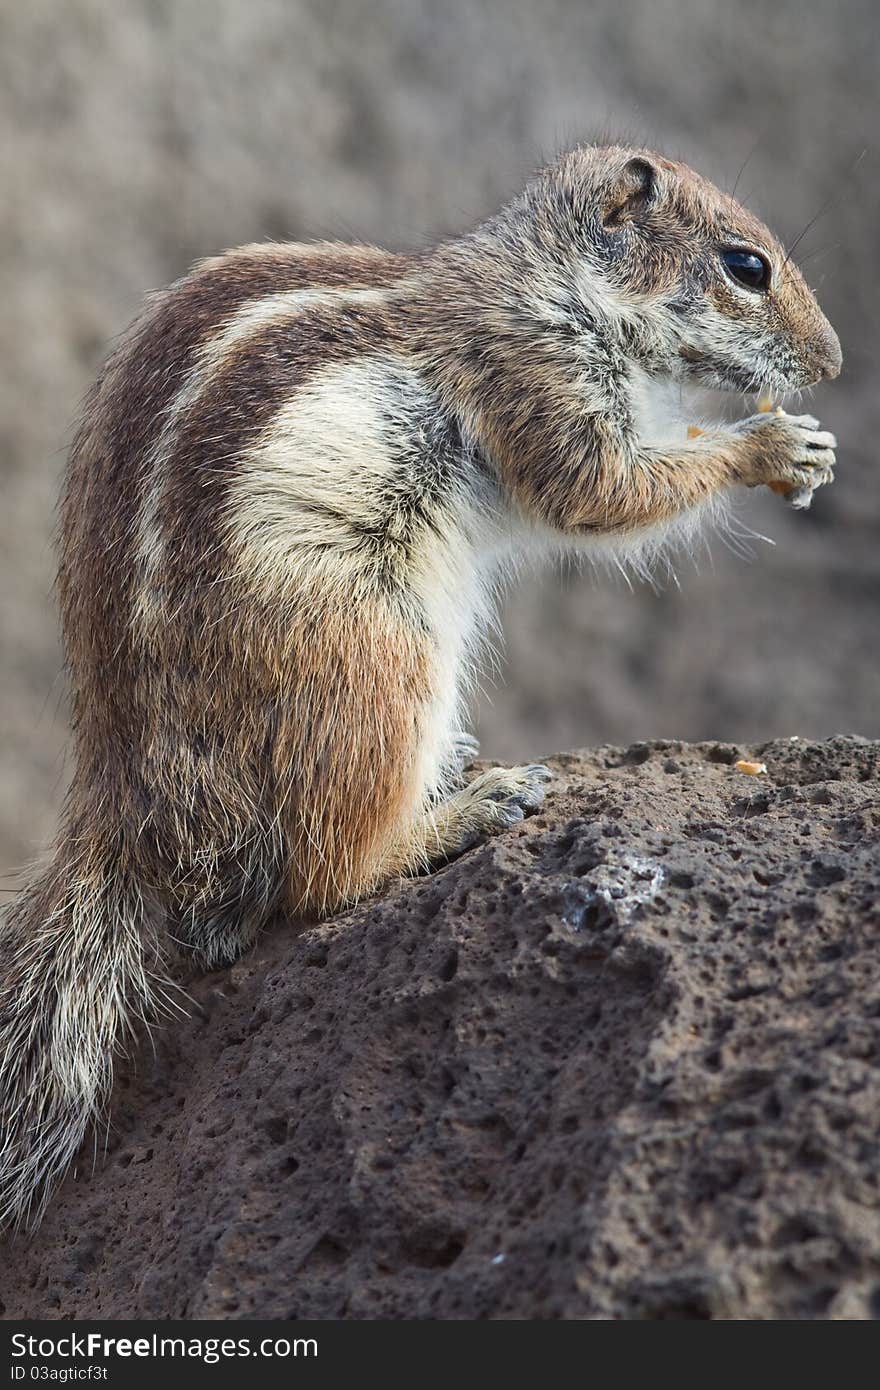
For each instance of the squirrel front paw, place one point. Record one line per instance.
(789, 450)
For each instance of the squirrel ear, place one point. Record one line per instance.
(631, 193)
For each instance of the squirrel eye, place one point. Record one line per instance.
(747, 268)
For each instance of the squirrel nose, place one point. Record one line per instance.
(830, 357)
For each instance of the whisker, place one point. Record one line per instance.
(742, 167)
(820, 251)
(833, 195)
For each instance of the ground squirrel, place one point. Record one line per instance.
(296, 483)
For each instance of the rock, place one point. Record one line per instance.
(621, 1062)
(140, 136)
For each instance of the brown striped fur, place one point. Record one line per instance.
(296, 485)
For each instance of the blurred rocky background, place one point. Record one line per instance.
(137, 136)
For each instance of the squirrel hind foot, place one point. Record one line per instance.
(494, 801)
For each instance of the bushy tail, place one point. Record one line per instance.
(79, 969)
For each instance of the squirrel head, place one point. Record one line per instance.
(697, 284)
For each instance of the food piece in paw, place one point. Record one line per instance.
(797, 497)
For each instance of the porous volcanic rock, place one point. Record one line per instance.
(623, 1061)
